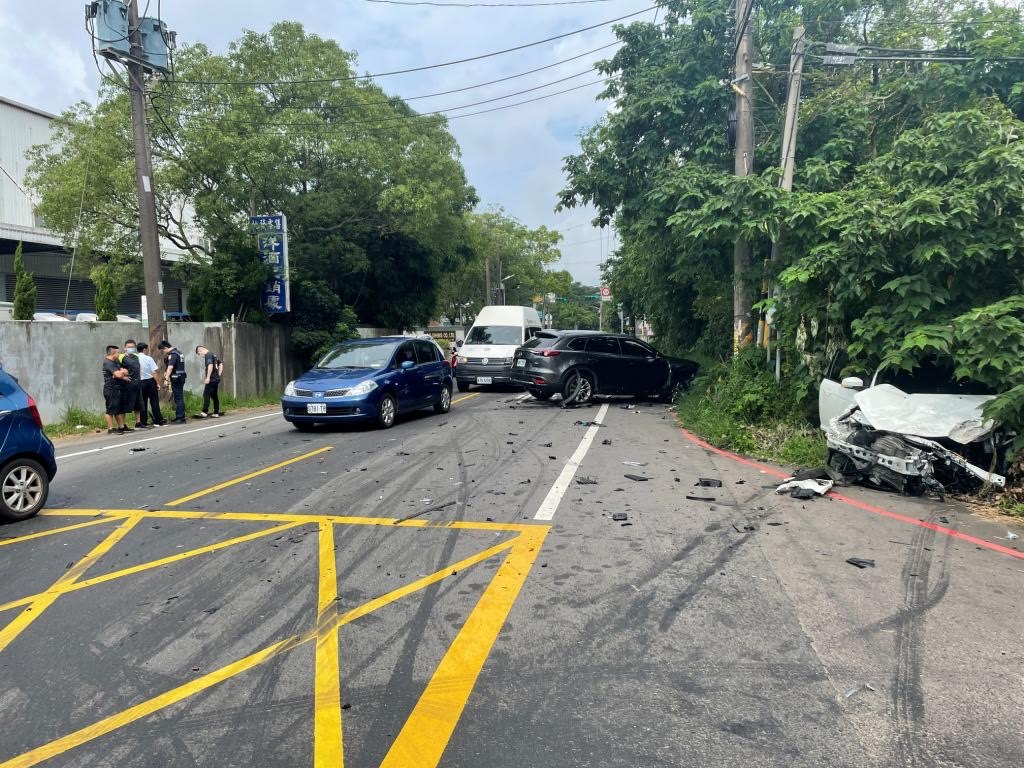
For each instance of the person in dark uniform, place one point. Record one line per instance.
(114, 378)
(133, 390)
(212, 368)
(174, 376)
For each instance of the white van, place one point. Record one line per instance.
(486, 355)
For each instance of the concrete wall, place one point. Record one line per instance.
(60, 364)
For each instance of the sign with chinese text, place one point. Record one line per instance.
(272, 244)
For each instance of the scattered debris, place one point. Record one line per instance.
(586, 481)
(625, 524)
(606, 442)
(775, 522)
(858, 688)
(637, 478)
(813, 487)
(1012, 536)
(346, 705)
(700, 498)
(708, 482)
(137, 450)
(553, 458)
(944, 520)
(527, 481)
(545, 445)
(618, 517)
(861, 562)
(740, 482)
(747, 528)
(635, 463)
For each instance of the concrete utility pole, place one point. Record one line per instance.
(788, 159)
(144, 184)
(742, 300)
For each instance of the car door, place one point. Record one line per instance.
(431, 370)
(605, 358)
(8, 410)
(648, 373)
(408, 381)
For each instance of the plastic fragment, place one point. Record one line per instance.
(637, 478)
(619, 516)
(586, 481)
(861, 562)
(700, 498)
(635, 463)
(709, 482)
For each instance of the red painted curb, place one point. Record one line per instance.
(860, 504)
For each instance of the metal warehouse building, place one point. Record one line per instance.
(21, 128)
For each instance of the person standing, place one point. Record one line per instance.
(174, 378)
(212, 368)
(150, 389)
(133, 390)
(114, 378)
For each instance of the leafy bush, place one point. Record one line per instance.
(24, 289)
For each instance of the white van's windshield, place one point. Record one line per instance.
(508, 335)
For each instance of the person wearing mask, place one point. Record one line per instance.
(133, 391)
(115, 378)
(150, 389)
(174, 378)
(212, 368)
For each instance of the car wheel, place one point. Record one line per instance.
(577, 388)
(303, 426)
(24, 487)
(386, 412)
(538, 394)
(463, 385)
(445, 403)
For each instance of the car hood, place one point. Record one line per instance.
(321, 377)
(956, 417)
(488, 350)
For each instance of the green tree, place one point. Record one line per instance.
(24, 289)
(107, 293)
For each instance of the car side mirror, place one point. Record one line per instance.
(407, 364)
(853, 382)
(459, 344)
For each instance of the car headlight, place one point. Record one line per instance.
(508, 360)
(289, 390)
(462, 360)
(364, 388)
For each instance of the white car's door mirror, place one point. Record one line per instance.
(853, 382)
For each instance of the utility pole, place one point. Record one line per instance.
(788, 161)
(144, 184)
(743, 85)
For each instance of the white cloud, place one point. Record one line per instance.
(513, 156)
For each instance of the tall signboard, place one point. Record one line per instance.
(272, 244)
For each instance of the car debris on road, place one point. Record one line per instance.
(814, 487)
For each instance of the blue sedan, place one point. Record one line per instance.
(370, 380)
(27, 463)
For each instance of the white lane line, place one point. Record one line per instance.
(221, 425)
(554, 497)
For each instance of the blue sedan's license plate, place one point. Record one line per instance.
(314, 408)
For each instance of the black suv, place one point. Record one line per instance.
(581, 364)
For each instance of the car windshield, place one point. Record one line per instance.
(495, 334)
(358, 355)
(541, 340)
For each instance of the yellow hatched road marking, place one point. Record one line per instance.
(52, 531)
(426, 733)
(328, 745)
(84, 584)
(166, 699)
(243, 478)
(44, 600)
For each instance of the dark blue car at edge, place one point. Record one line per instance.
(370, 380)
(27, 462)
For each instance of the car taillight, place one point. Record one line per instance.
(34, 410)
(537, 380)
(549, 353)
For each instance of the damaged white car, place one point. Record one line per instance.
(912, 433)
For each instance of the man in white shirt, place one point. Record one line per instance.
(150, 392)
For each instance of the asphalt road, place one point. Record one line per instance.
(445, 593)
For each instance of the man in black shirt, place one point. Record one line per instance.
(133, 391)
(174, 376)
(211, 381)
(114, 378)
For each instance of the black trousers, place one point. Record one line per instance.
(210, 393)
(150, 399)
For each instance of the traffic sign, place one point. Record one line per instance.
(606, 293)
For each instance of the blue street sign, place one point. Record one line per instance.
(272, 244)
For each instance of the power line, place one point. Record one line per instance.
(485, 5)
(390, 99)
(453, 62)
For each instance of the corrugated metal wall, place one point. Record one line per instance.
(20, 130)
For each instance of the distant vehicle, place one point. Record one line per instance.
(581, 364)
(486, 355)
(370, 380)
(90, 317)
(27, 463)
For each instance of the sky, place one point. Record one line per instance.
(513, 157)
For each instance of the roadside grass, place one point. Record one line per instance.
(78, 421)
(741, 408)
